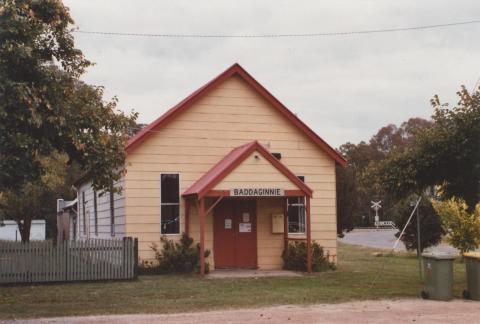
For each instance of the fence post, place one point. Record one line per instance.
(66, 247)
(69, 261)
(124, 268)
(135, 259)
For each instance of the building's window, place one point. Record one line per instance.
(296, 213)
(88, 224)
(170, 203)
(95, 212)
(75, 227)
(112, 213)
(84, 213)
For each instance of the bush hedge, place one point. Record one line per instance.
(295, 257)
(175, 257)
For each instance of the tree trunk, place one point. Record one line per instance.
(24, 229)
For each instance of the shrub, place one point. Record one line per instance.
(175, 257)
(431, 231)
(462, 227)
(147, 267)
(295, 257)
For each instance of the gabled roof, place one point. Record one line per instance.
(230, 161)
(235, 69)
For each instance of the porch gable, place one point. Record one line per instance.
(248, 170)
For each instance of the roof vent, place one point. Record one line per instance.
(277, 155)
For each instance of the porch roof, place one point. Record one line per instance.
(233, 159)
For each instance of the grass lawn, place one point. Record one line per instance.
(182, 293)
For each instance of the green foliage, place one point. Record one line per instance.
(177, 257)
(295, 257)
(37, 199)
(44, 107)
(352, 281)
(446, 155)
(462, 226)
(431, 230)
(347, 199)
(352, 196)
(356, 186)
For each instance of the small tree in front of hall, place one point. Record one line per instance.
(462, 227)
(431, 231)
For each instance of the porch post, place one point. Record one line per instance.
(285, 224)
(187, 216)
(201, 214)
(309, 235)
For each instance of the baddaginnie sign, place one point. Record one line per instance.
(257, 192)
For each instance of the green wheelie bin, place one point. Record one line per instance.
(438, 275)
(472, 263)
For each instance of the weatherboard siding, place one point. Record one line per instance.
(255, 173)
(269, 245)
(103, 212)
(228, 116)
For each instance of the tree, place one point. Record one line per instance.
(356, 185)
(135, 129)
(38, 199)
(44, 107)
(391, 137)
(430, 224)
(462, 226)
(347, 199)
(352, 200)
(445, 156)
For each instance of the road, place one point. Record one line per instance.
(391, 311)
(384, 239)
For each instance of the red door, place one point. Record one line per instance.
(246, 234)
(224, 235)
(235, 234)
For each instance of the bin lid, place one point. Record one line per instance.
(439, 255)
(475, 255)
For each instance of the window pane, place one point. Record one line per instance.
(296, 219)
(170, 219)
(296, 200)
(170, 188)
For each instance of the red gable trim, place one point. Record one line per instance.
(233, 159)
(235, 69)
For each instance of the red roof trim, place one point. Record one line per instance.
(233, 159)
(235, 69)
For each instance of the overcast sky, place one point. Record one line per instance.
(344, 87)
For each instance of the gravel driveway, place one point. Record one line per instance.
(386, 311)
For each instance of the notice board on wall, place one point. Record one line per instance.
(277, 223)
(245, 227)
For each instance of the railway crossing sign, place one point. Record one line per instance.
(376, 206)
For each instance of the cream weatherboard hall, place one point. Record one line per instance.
(231, 166)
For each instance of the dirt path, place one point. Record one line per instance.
(386, 311)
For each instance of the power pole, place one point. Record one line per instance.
(419, 245)
(419, 238)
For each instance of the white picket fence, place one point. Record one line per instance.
(43, 261)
